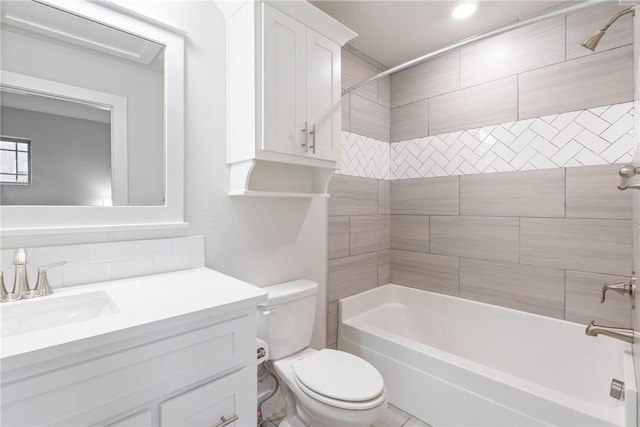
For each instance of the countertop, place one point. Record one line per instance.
(138, 301)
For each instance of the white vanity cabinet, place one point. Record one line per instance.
(284, 109)
(193, 366)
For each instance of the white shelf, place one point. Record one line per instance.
(252, 193)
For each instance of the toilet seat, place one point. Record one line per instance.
(340, 379)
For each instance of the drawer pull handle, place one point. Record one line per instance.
(226, 421)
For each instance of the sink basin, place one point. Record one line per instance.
(47, 312)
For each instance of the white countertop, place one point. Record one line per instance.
(138, 301)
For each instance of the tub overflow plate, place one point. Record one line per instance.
(617, 388)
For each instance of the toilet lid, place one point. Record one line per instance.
(339, 375)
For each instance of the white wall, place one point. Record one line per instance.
(40, 57)
(259, 240)
(70, 159)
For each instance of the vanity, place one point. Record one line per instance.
(171, 349)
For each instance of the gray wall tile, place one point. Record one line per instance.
(369, 118)
(594, 245)
(537, 290)
(338, 236)
(524, 49)
(583, 300)
(384, 267)
(425, 196)
(592, 193)
(601, 79)
(332, 323)
(435, 77)
(384, 197)
(410, 121)
(346, 112)
(428, 272)
(351, 275)
(384, 90)
(355, 70)
(366, 57)
(352, 195)
(529, 193)
(489, 103)
(369, 233)
(410, 232)
(583, 23)
(476, 237)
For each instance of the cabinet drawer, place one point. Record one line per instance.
(213, 403)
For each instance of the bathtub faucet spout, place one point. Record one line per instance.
(624, 334)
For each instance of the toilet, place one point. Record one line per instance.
(321, 387)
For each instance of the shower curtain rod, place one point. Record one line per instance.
(473, 39)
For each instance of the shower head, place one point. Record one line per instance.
(594, 38)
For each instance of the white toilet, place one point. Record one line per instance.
(321, 388)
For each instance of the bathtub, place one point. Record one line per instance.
(455, 362)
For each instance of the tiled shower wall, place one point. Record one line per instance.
(537, 239)
(359, 240)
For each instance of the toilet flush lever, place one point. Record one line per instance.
(623, 289)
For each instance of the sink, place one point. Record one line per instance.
(25, 316)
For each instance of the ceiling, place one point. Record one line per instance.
(394, 32)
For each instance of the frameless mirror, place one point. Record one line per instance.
(82, 108)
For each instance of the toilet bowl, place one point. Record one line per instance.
(321, 387)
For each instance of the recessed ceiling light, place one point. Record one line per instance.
(464, 10)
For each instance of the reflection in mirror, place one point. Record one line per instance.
(88, 101)
(68, 160)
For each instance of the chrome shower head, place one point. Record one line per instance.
(593, 40)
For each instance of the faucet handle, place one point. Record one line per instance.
(4, 294)
(42, 285)
(621, 288)
(20, 257)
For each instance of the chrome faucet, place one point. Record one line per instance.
(624, 334)
(623, 289)
(21, 281)
(21, 289)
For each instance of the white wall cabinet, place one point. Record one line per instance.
(284, 97)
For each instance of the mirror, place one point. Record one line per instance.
(63, 79)
(91, 123)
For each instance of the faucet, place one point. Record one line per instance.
(21, 289)
(623, 289)
(624, 334)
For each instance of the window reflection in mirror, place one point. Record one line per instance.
(73, 140)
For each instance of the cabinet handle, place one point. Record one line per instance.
(313, 139)
(226, 421)
(304, 143)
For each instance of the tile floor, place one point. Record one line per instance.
(394, 417)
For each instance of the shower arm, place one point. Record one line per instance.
(479, 37)
(616, 16)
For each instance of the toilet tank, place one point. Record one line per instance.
(286, 320)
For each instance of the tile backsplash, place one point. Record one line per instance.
(97, 262)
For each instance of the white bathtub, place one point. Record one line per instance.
(455, 362)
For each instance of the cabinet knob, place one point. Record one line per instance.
(226, 421)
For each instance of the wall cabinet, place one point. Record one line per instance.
(284, 117)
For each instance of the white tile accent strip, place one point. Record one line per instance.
(602, 135)
(363, 156)
(98, 262)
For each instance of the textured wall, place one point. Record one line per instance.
(537, 241)
(365, 111)
(533, 71)
(359, 240)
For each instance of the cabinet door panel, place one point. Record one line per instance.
(205, 406)
(283, 83)
(141, 419)
(323, 95)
